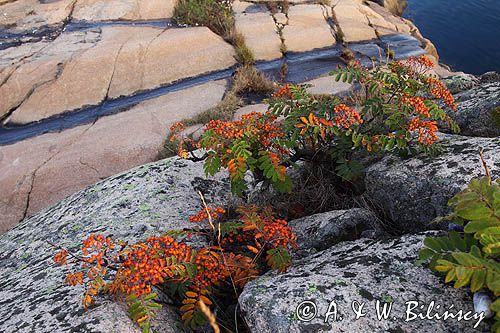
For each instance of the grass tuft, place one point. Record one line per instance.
(243, 54)
(214, 14)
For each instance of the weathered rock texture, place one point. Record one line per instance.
(61, 76)
(353, 23)
(130, 206)
(260, 32)
(98, 10)
(321, 231)
(364, 271)
(478, 112)
(26, 15)
(413, 192)
(307, 28)
(20, 15)
(43, 170)
(328, 85)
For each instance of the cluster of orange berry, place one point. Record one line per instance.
(346, 116)
(210, 267)
(438, 90)
(253, 124)
(177, 127)
(278, 233)
(414, 65)
(426, 130)
(284, 91)
(202, 215)
(150, 263)
(262, 227)
(417, 102)
(422, 61)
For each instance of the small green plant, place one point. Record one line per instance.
(243, 54)
(214, 14)
(471, 258)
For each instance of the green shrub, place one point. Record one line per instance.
(471, 258)
(214, 14)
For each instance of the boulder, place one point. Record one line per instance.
(360, 272)
(460, 82)
(61, 76)
(478, 110)
(412, 192)
(43, 170)
(307, 28)
(490, 77)
(321, 231)
(130, 206)
(400, 23)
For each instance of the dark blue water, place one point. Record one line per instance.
(465, 32)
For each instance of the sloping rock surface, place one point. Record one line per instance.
(260, 32)
(99, 10)
(43, 170)
(363, 271)
(147, 200)
(414, 191)
(25, 15)
(61, 75)
(307, 28)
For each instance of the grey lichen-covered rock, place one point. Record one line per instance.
(147, 200)
(414, 191)
(362, 271)
(321, 231)
(478, 112)
(460, 82)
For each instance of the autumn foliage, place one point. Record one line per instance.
(396, 108)
(238, 250)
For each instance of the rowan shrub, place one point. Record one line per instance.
(239, 248)
(396, 109)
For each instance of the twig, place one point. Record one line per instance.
(210, 316)
(485, 166)
(219, 244)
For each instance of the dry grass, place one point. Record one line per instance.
(243, 54)
(248, 79)
(348, 56)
